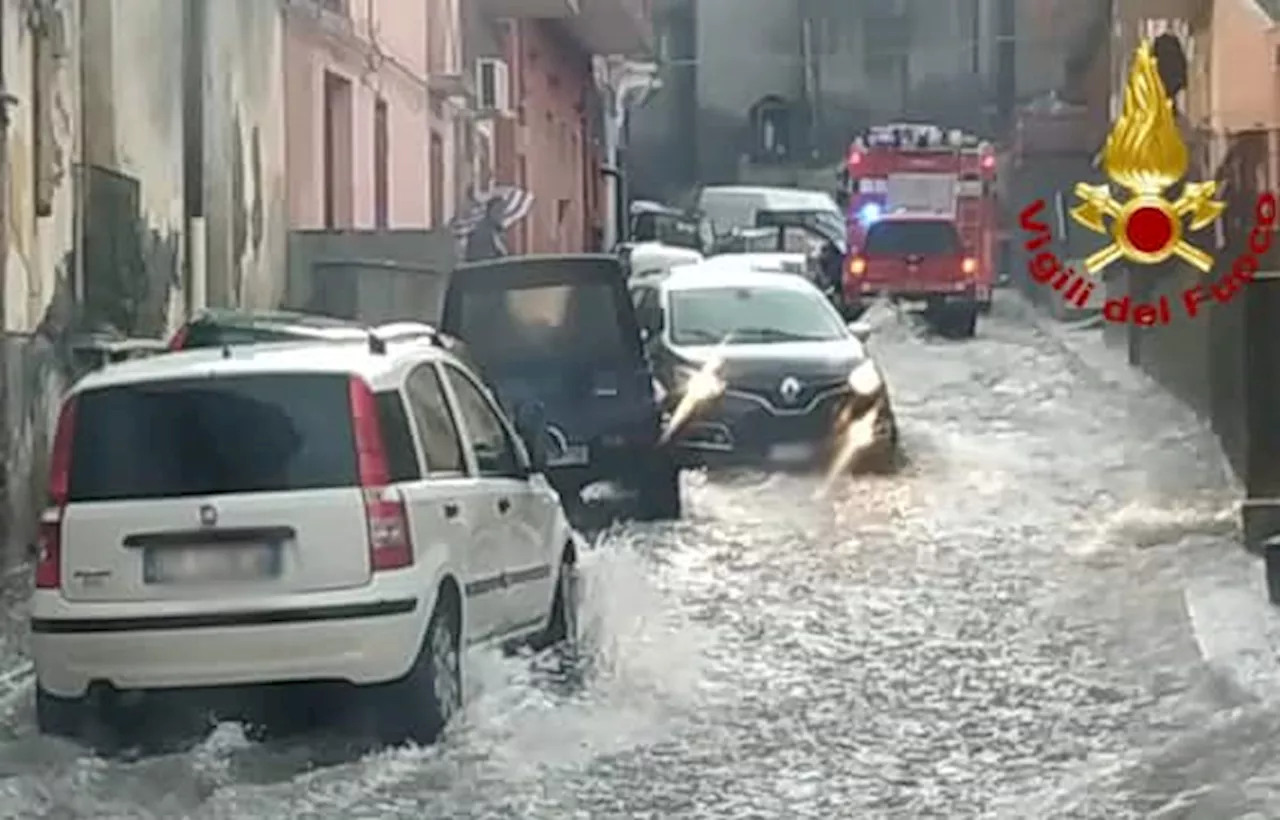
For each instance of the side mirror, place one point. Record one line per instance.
(531, 425)
(860, 330)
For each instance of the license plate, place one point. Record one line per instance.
(213, 564)
(573, 454)
(791, 452)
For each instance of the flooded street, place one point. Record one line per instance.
(1033, 619)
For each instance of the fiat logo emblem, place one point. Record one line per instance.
(208, 515)
(789, 389)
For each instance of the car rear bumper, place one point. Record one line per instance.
(960, 293)
(359, 642)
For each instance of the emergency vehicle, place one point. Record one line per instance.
(922, 221)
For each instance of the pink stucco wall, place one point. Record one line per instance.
(401, 31)
(1244, 91)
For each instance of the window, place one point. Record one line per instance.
(752, 315)
(337, 151)
(925, 237)
(648, 310)
(506, 325)
(402, 456)
(381, 166)
(495, 452)
(441, 444)
(234, 434)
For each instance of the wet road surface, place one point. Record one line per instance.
(1000, 630)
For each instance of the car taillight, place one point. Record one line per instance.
(179, 340)
(969, 266)
(390, 544)
(857, 266)
(49, 547)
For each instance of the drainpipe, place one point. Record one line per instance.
(623, 82)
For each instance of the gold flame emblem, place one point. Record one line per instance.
(1145, 155)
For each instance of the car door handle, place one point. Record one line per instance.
(503, 505)
(451, 510)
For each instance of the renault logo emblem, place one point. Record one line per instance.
(208, 515)
(789, 389)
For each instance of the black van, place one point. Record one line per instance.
(561, 331)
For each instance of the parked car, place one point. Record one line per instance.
(560, 330)
(738, 206)
(226, 522)
(759, 367)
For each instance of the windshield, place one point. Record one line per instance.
(751, 315)
(209, 436)
(908, 237)
(668, 229)
(580, 322)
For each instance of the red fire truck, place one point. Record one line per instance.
(922, 221)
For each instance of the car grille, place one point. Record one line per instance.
(755, 428)
(770, 392)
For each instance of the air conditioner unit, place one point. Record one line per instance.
(493, 86)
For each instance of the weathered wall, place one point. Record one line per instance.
(41, 69)
(96, 229)
(244, 152)
(553, 77)
(133, 153)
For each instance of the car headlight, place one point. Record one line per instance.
(865, 379)
(701, 384)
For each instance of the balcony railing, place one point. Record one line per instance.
(600, 26)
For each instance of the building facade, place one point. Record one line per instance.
(375, 94)
(548, 139)
(143, 158)
(780, 84)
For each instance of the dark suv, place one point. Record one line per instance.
(561, 331)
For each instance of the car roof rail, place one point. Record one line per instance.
(403, 331)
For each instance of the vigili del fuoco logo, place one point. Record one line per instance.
(1143, 158)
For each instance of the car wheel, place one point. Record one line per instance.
(957, 322)
(420, 705)
(101, 725)
(885, 455)
(659, 492)
(59, 717)
(562, 625)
